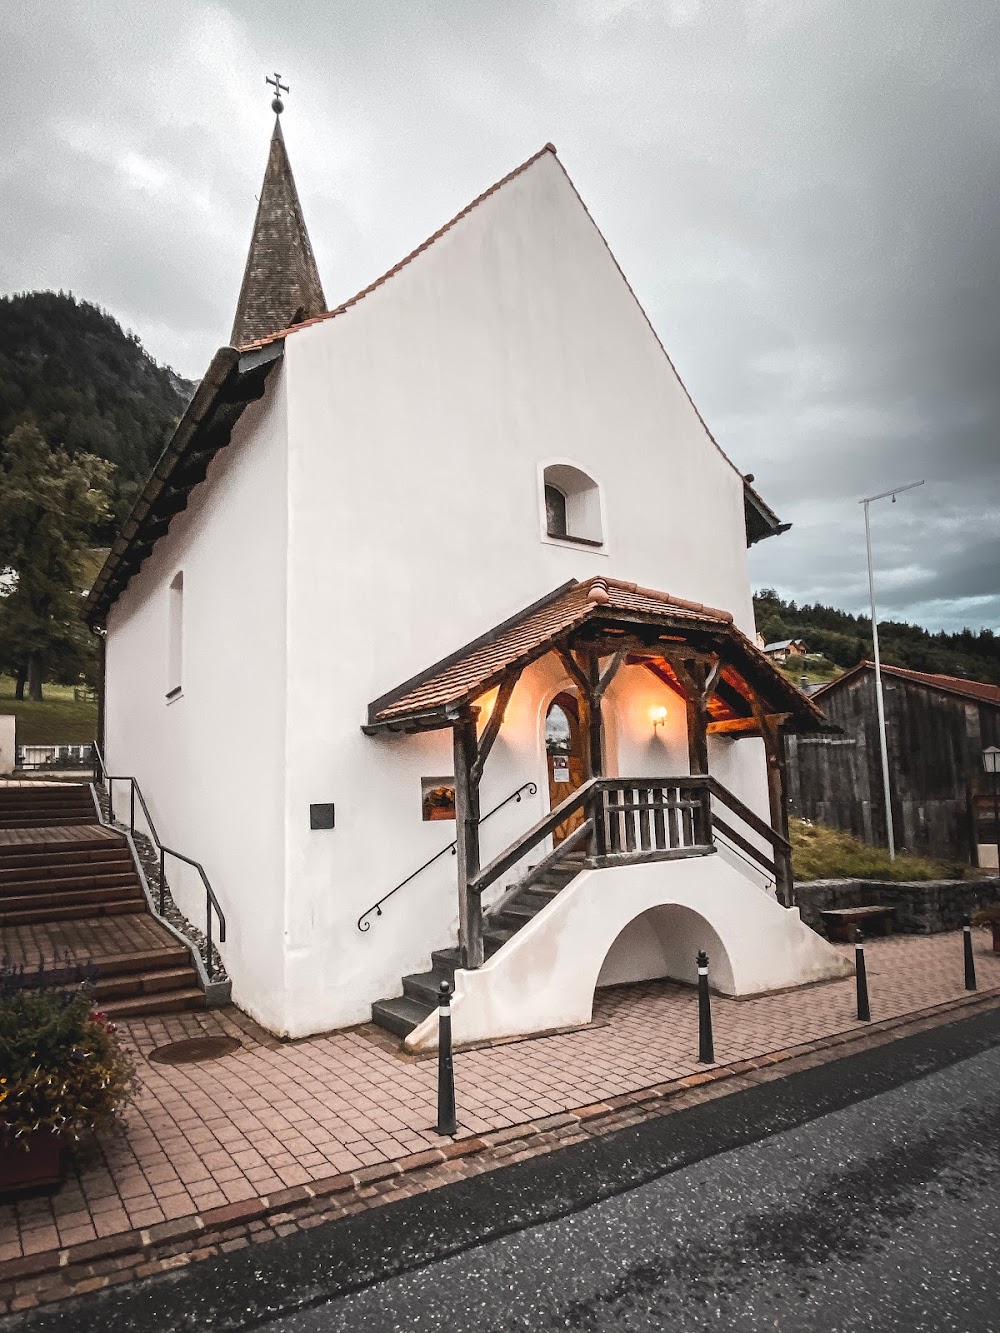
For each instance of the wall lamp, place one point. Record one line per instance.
(659, 717)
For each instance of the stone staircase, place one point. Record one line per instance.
(71, 898)
(515, 908)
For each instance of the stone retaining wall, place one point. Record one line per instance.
(923, 907)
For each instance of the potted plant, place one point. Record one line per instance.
(65, 1074)
(990, 916)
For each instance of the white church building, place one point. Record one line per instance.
(431, 638)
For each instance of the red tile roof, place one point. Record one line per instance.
(466, 675)
(978, 690)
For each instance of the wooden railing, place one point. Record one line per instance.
(634, 820)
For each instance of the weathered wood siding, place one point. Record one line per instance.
(935, 742)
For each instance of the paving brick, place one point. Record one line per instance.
(242, 1210)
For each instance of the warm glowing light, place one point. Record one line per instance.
(659, 716)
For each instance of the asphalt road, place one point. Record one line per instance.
(860, 1194)
(885, 1215)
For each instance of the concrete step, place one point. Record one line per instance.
(512, 917)
(127, 985)
(49, 820)
(445, 962)
(83, 841)
(400, 1015)
(83, 895)
(117, 877)
(425, 986)
(169, 1002)
(537, 897)
(495, 937)
(30, 916)
(40, 867)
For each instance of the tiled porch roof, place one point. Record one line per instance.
(432, 698)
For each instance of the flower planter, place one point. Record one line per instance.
(39, 1167)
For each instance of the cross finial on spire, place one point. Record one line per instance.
(277, 105)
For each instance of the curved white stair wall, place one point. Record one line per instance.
(544, 977)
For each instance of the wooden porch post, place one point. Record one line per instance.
(470, 909)
(777, 796)
(699, 675)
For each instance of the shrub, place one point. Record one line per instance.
(64, 1069)
(819, 852)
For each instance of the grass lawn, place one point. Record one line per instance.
(58, 719)
(825, 853)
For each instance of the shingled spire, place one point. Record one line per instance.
(281, 283)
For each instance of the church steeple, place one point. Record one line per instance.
(281, 283)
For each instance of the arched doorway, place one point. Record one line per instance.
(564, 757)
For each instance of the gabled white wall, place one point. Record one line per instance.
(211, 764)
(417, 423)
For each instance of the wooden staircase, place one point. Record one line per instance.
(625, 821)
(71, 898)
(517, 906)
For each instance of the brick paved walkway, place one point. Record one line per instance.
(275, 1115)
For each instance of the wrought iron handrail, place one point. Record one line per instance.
(211, 901)
(526, 788)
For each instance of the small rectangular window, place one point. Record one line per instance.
(175, 636)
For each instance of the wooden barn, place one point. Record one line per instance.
(936, 730)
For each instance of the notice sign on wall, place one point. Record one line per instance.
(560, 769)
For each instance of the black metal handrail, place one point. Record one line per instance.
(211, 901)
(526, 788)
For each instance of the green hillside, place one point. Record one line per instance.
(87, 385)
(843, 640)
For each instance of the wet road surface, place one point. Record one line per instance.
(859, 1194)
(885, 1215)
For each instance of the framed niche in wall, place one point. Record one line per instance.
(437, 798)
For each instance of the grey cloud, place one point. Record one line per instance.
(801, 192)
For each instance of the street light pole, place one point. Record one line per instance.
(879, 701)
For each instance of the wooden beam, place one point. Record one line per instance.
(770, 725)
(470, 909)
(734, 726)
(492, 728)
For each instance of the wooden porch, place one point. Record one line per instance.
(727, 685)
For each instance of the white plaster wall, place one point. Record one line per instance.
(211, 764)
(417, 422)
(8, 745)
(545, 976)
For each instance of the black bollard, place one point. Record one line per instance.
(706, 1047)
(970, 962)
(447, 1123)
(864, 1010)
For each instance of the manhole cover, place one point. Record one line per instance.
(194, 1050)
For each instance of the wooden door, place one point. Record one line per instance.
(564, 756)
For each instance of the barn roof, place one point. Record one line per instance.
(979, 691)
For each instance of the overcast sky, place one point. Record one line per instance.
(802, 192)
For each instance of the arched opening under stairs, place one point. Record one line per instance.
(664, 941)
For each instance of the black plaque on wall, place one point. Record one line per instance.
(321, 816)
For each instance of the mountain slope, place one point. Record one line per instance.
(87, 384)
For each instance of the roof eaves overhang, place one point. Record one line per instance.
(596, 620)
(233, 381)
(761, 520)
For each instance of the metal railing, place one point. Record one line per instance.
(211, 901)
(525, 789)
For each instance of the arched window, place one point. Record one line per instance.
(572, 505)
